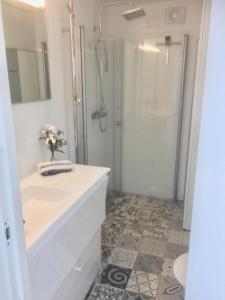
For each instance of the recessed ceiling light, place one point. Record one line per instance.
(35, 3)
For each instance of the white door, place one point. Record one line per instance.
(13, 262)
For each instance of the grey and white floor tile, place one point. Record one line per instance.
(179, 237)
(106, 253)
(115, 276)
(156, 232)
(167, 268)
(148, 263)
(129, 240)
(110, 236)
(153, 246)
(173, 251)
(143, 283)
(123, 258)
(169, 289)
(105, 292)
(141, 239)
(134, 296)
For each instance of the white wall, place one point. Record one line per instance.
(87, 12)
(154, 26)
(19, 27)
(30, 117)
(207, 247)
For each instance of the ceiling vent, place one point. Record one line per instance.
(175, 15)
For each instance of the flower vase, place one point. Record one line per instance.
(53, 156)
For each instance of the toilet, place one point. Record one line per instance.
(180, 269)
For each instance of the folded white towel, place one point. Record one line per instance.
(54, 167)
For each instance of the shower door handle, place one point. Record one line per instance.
(119, 123)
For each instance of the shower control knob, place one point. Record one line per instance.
(118, 123)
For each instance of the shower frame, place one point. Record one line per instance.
(79, 95)
(78, 80)
(77, 48)
(180, 120)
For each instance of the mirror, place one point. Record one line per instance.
(26, 51)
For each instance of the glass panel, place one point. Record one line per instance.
(141, 90)
(100, 143)
(151, 97)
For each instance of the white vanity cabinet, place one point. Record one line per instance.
(65, 259)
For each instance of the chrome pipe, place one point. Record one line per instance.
(83, 91)
(189, 139)
(70, 7)
(180, 118)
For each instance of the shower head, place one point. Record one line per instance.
(134, 14)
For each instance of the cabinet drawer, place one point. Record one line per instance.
(79, 280)
(56, 259)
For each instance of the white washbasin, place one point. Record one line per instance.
(41, 206)
(49, 200)
(41, 193)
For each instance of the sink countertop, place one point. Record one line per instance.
(47, 198)
(79, 180)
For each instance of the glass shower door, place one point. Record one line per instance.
(152, 83)
(142, 89)
(99, 144)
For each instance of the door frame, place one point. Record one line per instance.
(196, 114)
(13, 256)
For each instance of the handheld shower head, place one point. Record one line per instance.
(69, 7)
(134, 13)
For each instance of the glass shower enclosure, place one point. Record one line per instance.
(142, 86)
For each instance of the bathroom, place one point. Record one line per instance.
(106, 214)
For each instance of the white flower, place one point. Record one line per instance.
(50, 134)
(51, 128)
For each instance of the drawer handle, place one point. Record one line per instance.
(78, 269)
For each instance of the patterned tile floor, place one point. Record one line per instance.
(141, 238)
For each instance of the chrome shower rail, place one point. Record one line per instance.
(83, 91)
(70, 7)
